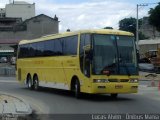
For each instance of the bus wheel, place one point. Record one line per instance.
(77, 89)
(35, 83)
(114, 96)
(29, 82)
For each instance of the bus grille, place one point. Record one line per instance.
(112, 80)
(116, 80)
(124, 80)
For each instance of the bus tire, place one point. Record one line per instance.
(77, 89)
(114, 95)
(29, 82)
(35, 83)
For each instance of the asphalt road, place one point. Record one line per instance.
(63, 102)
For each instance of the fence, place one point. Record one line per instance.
(7, 71)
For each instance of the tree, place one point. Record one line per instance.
(129, 24)
(108, 27)
(154, 18)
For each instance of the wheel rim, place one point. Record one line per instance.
(36, 84)
(76, 89)
(29, 83)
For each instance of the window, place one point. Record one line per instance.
(23, 51)
(70, 45)
(58, 47)
(32, 50)
(39, 48)
(85, 40)
(84, 61)
(49, 48)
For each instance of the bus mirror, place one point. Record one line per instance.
(87, 48)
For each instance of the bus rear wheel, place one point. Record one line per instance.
(114, 96)
(35, 83)
(29, 82)
(77, 89)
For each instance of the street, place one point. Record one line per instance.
(51, 101)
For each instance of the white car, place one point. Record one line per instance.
(3, 59)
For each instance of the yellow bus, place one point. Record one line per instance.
(89, 61)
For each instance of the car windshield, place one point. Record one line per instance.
(114, 54)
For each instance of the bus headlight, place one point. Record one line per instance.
(133, 80)
(100, 81)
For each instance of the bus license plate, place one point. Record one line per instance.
(119, 86)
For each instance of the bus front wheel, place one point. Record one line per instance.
(114, 96)
(77, 89)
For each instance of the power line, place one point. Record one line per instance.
(129, 15)
(132, 13)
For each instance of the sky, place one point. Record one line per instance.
(89, 14)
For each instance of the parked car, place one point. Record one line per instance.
(3, 59)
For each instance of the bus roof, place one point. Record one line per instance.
(65, 34)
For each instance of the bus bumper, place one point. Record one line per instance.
(108, 88)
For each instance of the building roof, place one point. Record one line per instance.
(65, 34)
(149, 42)
(10, 19)
(9, 41)
(55, 18)
(20, 2)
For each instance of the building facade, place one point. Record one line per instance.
(12, 30)
(2, 12)
(20, 9)
(18, 22)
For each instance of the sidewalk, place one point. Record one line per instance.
(13, 106)
(145, 76)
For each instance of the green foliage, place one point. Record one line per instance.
(108, 27)
(142, 36)
(128, 24)
(154, 18)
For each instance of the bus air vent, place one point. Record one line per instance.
(124, 80)
(112, 80)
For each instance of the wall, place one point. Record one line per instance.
(36, 27)
(23, 10)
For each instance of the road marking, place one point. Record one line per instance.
(8, 81)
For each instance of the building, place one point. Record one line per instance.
(20, 9)
(2, 12)
(153, 41)
(148, 45)
(8, 24)
(18, 22)
(12, 30)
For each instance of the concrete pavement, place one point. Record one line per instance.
(11, 105)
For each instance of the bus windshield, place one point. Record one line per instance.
(114, 54)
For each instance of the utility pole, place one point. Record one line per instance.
(137, 30)
(137, 23)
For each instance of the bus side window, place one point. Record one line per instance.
(67, 43)
(84, 60)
